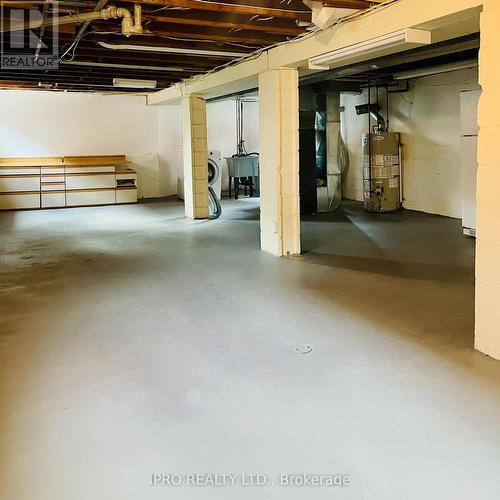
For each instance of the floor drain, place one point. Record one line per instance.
(301, 348)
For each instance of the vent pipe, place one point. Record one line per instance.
(373, 109)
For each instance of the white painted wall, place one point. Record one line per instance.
(58, 123)
(169, 147)
(428, 117)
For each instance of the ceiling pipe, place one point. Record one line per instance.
(124, 66)
(172, 50)
(130, 25)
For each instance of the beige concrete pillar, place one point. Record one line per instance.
(279, 161)
(195, 154)
(487, 336)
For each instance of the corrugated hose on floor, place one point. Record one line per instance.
(214, 206)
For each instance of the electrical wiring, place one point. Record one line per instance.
(235, 44)
(257, 17)
(81, 32)
(167, 7)
(72, 48)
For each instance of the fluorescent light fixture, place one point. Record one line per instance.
(130, 83)
(171, 50)
(122, 66)
(437, 70)
(403, 39)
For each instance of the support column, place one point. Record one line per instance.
(487, 334)
(279, 161)
(195, 155)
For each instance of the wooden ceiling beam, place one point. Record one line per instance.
(227, 25)
(234, 8)
(14, 84)
(348, 4)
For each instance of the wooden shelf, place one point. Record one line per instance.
(90, 161)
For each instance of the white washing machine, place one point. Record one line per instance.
(215, 172)
(214, 175)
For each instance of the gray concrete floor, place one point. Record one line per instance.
(134, 342)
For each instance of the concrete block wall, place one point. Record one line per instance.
(487, 336)
(195, 153)
(279, 161)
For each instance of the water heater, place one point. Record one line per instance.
(381, 172)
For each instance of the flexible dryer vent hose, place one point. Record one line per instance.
(214, 204)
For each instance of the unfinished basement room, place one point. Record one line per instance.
(249, 249)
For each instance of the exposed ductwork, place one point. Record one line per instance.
(373, 109)
(322, 16)
(130, 25)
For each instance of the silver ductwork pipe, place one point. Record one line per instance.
(373, 109)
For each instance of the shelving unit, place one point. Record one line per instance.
(66, 181)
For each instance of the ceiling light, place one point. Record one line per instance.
(134, 84)
(404, 39)
(171, 50)
(436, 70)
(123, 66)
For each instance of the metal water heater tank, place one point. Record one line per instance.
(381, 172)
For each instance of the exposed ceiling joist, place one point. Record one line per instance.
(265, 27)
(302, 15)
(347, 4)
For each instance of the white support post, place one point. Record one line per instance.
(279, 162)
(195, 155)
(487, 335)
